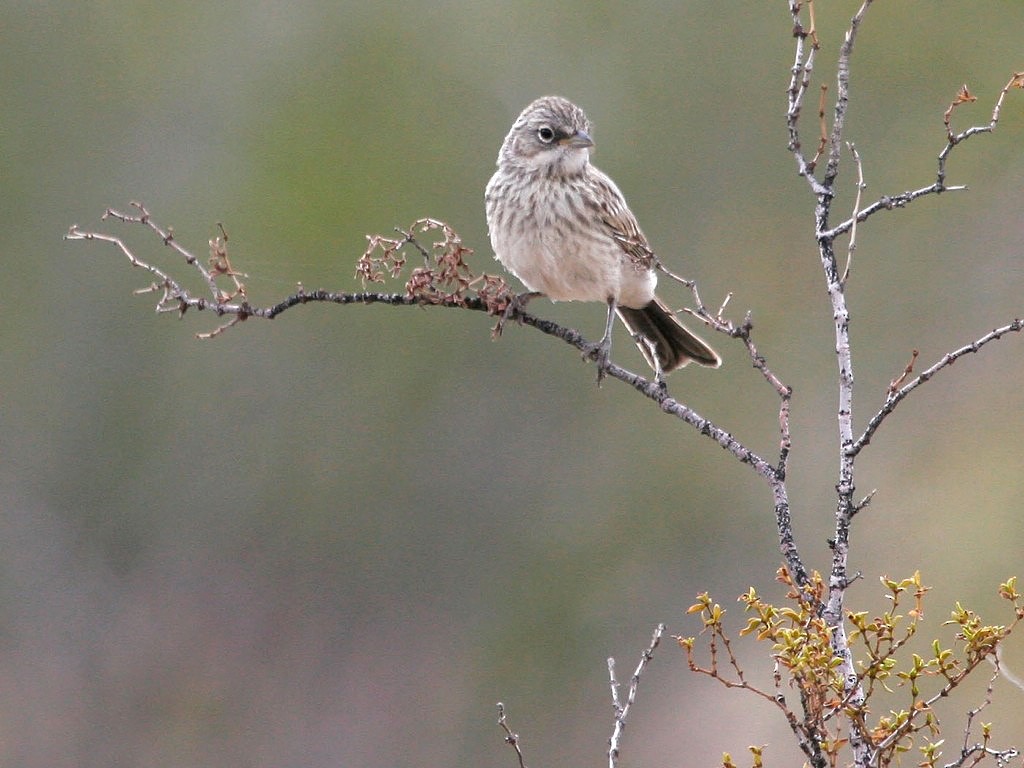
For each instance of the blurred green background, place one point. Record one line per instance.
(341, 537)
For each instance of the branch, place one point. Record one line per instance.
(901, 200)
(445, 281)
(622, 710)
(776, 476)
(824, 190)
(799, 82)
(852, 245)
(897, 396)
(832, 608)
(842, 97)
(425, 286)
(512, 739)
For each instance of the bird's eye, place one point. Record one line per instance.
(545, 134)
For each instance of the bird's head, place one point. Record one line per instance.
(551, 136)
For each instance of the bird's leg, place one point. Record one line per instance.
(601, 349)
(515, 305)
(651, 356)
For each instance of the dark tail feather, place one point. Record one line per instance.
(674, 344)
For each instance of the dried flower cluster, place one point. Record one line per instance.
(444, 278)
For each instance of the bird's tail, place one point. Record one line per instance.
(674, 344)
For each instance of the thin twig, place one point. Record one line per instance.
(864, 502)
(776, 476)
(622, 709)
(852, 245)
(986, 702)
(511, 738)
(894, 399)
(908, 369)
(799, 82)
(722, 325)
(822, 129)
(901, 200)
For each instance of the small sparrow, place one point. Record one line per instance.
(564, 229)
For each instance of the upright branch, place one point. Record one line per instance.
(622, 707)
(824, 190)
(806, 47)
(511, 738)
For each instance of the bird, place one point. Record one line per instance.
(563, 228)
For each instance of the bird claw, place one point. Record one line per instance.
(599, 352)
(516, 305)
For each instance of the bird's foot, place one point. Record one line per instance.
(515, 307)
(600, 353)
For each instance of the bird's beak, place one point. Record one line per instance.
(579, 140)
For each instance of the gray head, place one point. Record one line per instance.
(551, 136)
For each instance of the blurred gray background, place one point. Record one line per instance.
(339, 538)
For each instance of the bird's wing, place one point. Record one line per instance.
(620, 221)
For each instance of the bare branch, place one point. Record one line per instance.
(852, 245)
(776, 476)
(901, 200)
(445, 282)
(622, 709)
(799, 82)
(967, 750)
(822, 129)
(512, 739)
(908, 369)
(963, 97)
(865, 502)
(722, 325)
(895, 398)
(842, 96)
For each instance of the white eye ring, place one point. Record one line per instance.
(545, 134)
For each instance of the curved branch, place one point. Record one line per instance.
(445, 281)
